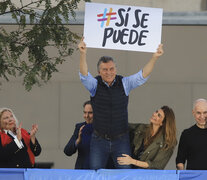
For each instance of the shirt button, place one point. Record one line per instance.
(17, 165)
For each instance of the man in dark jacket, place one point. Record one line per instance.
(80, 139)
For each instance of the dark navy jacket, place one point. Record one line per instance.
(110, 114)
(13, 157)
(83, 148)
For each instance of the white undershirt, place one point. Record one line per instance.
(18, 143)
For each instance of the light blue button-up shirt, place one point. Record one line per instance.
(129, 82)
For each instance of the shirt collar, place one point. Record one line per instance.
(5, 131)
(9, 132)
(108, 84)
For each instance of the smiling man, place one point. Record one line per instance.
(80, 140)
(109, 97)
(193, 145)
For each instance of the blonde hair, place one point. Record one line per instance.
(2, 110)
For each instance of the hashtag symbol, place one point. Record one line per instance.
(105, 18)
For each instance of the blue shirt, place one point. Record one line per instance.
(129, 82)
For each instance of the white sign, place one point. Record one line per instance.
(122, 27)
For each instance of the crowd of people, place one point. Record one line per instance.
(106, 139)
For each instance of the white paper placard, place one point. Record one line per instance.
(121, 27)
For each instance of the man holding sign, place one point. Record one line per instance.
(109, 97)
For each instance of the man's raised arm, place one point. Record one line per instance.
(83, 63)
(150, 65)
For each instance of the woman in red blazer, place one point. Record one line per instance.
(18, 148)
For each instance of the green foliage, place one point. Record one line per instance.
(37, 31)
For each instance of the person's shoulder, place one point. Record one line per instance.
(119, 76)
(143, 127)
(138, 126)
(133, 125)
(98, 77)
(189, 130)
(78, 125)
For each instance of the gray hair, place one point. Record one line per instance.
(104, 59)
(4, 109)
(198, 101)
